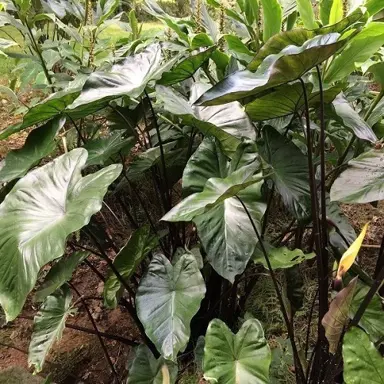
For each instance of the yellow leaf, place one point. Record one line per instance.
(350, 254)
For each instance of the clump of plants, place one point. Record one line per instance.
(215, 122)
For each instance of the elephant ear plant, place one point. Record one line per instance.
(194, 142)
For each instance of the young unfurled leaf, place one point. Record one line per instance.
(337, 316)
(350, 254)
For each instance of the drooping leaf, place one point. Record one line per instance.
(290, 172)
(352, 120)
(48, 326)
(307, 15)
(337, 316)
(146, 369)
(42, 209)
(238, 49)
(359, 49)
(273, 18)
(39, 143)
(363, 180)
(60, 273)
(167, 298)
(127, 261)
(186, 68)
(127, 79)
(373, 318)
(225, 230)
(280, 257)
(242, 358)
(349, 256)
(288, 65)
(100, 150)
(362, 361)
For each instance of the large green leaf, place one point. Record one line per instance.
(167, 298)
(373, 319)
(307, 15)
(186, 68)
(362, 361)
(146, 369)
(233, 359)
(100, 150)
(39, 143)
(374, 6)
(290, 174)
(337, 316)
(41, 210)
(359, 49)
(349, 118)
(362, 181)
(126, 262)
(288, 65)
(378, 72)
(127, 79)
(60, 273)
(325, 10)
(337, 12)
(225, 231)
(281, 257)
(273, 18)
(48, 326)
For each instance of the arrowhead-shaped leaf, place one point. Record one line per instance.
(242, 358)
(146, 369)
(41, 210)
(363, 363)
(362, 181)
(167, 298)
(48, 326)
(40, 143)
(60, 273)
(337, 316)
(127, 260)
(288, 65)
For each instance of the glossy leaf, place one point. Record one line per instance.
(127, 79)
(362, 181)
(280, 257)
(373, 318)
(127, 261)
(48, 326)
(100, 150)
(352, 120)
(349, 256)
(273, 18)
(242, 358)
(288, 65)
(307, 15)
(42, 209)
(186, 68)
(337, 316)
(359, 49)
(225, 230)
(146, 369)
(362, 361)
(60, 273)
(290, 172)
(39, 143)
(167, 298)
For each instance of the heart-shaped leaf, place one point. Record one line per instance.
(41, 210)
(337, 316)
(242, 358)
(60, 273)
(363, 180)
(362, 361)
(48, 326)
(127, 261)
(40, 143)
(167, 298)
(146, 369)
(288, 65)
